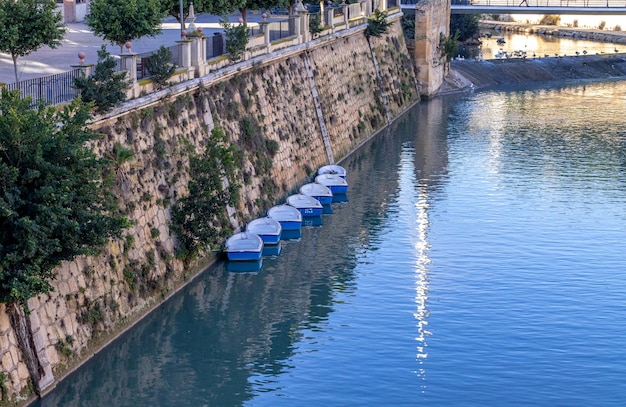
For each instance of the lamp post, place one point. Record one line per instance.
(182, 19)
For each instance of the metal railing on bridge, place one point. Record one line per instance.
(543, 3)
(618, 4)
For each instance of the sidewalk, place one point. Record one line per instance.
(78, 37)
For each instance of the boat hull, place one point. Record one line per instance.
(290, 225)
(324, 200)
(244, 255)
(270, 239)
(338, 189)
(309, 212)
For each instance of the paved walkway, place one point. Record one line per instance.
(78, 37)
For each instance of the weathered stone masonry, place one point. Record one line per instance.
(317, 102)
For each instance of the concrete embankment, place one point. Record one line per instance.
(465, 74)
(481, 74)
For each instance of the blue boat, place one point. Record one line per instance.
(267, 228)
(334, 182)
(318, 191)
(332, 169)
(244, 246)
(307, 205)
(289, 217)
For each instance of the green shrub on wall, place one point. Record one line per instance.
(377, 24)
(236, 39)
(199, 220)
(160, 67)
(106, 88)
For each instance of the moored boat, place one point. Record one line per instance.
(334, 182)
(307, 205)
(244, 246)
(289, 217)
(268, 229)
(332, 169)
(318, 191)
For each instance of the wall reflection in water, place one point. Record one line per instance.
(227, 336)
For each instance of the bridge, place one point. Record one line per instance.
(548, 7)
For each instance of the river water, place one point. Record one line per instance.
(479, 261)
(537, 46)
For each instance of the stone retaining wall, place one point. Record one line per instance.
(317, 103)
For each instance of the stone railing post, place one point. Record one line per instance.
(198, 52)
(382, 5)
(294, 26)
(85, 69)
(366, 8)
(345, 13)
(304, 27)
(265, 29)
(184, 53)
(128, 63)
(329, 16)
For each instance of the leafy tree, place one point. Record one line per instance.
(160, 67)
(315, 26)
(466, 25)
(27, 25)
(448, 46)
(236, 39)
(54, 203)
(215, 7)
(119, 21)
(258, 5)
(200, 219)
(377, 24)
(105, 88)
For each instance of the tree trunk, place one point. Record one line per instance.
(35, 360)
(15, 67)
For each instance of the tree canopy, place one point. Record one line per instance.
(119, 21)
(215, 7)
(105, 88)
(467, 25)
(54, 202)
(27, 25)
(260, 4)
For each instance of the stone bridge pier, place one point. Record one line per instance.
(432, 23)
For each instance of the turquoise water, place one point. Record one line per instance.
(479, 261)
